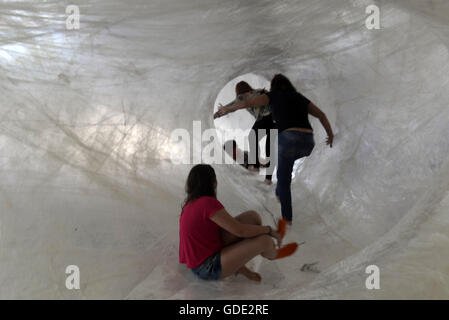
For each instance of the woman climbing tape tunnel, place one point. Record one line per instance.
(264, 123)
(290, 111)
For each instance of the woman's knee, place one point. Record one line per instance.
(255, 217)
(250, 217)
(266, 241)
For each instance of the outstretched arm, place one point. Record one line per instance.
(316, 112)
(220, 106)
(225, 109)
(225, 221)
(228, 105)
(259, 101)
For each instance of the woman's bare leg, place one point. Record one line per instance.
(235, 256)
(249, 217)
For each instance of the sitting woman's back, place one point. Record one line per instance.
(199, 236)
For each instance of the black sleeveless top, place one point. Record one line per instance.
(289, 110)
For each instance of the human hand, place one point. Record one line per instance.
(221, 111)
(282, 227)
(277, 236)
(330, 140)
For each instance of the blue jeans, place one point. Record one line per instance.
(292, 145)
(210, 269)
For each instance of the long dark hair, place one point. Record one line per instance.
(200, 182)
(280, 83)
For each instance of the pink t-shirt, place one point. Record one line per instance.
(199, 237)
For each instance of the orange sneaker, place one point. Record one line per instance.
(282, 227)
(286, 250)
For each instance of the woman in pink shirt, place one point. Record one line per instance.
(213, 243)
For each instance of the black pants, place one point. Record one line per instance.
(266, 123)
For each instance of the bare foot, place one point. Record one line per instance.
(251, 275)
(268, 182)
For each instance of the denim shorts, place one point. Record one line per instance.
(210, 269)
